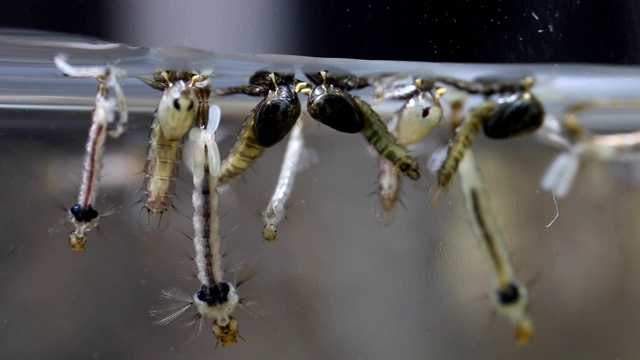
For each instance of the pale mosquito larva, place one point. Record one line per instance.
(506, 116)
(199, 81)
(274, 213)
(414, 121)
(216, 299)
(510, 297)
(83, 215)
(331, 104)
(579, 144)
(173, 119)
(268, 123)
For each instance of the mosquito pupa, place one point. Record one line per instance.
(173, 119)
(275, 212)
(199, 81)
(83, 214)
(266, 125)
(338, 109)
(414, 121)
(505, 117)
(216, 299)
(331, 105)
(510, 297)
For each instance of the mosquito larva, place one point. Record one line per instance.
(243, 153)
(486, 87)
(83, 215)
(173, 119)
(332, 106)
(580, 144)
(455, 153)
(414, 121)
(266, 125)
(505, 117)
(388, 191)
(509, 295)
(274, 213)
(376, 133)
(216, 299)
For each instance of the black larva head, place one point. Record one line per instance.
(336, 109)
(520, 116)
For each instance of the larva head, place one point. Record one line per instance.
(270, 233)
(513, 302)
(336, 109)
(518, 115)
(77, 241)
(226, 334)
(176, 110)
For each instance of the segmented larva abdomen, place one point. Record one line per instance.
(244, 152)
(385, 143)
(161, 168)
(462, 141)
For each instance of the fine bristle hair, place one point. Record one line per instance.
(196, 325)
(174, 207)
(58, 226)
(252, 307)
(173, 303)
(229, 232)
(110, 209)
(228, 211)
(246, 273)
(151, 225)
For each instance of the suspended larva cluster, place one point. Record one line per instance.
(506, 109)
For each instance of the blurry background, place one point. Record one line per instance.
(337, 284)
(452, 31)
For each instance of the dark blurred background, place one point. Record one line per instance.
(595, 31)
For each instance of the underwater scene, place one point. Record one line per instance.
(175, 203)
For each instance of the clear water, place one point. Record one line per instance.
(336, 284)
